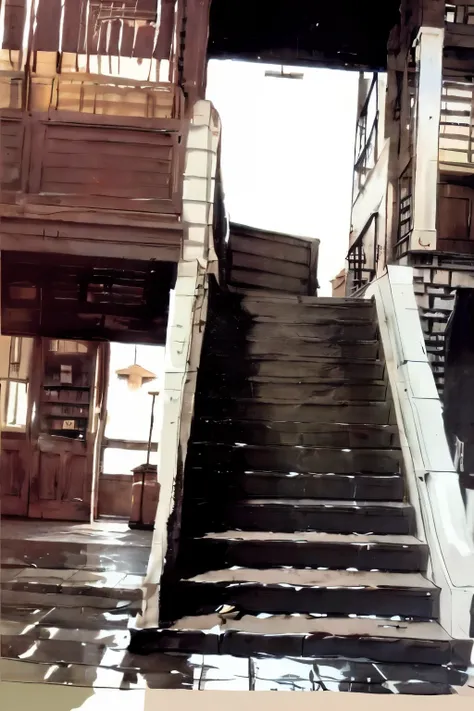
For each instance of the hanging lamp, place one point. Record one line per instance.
(135, 374)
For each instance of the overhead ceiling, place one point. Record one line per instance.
(345, 34)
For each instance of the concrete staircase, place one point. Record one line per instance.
(297, 535)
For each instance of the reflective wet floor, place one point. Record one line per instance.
(71, 593)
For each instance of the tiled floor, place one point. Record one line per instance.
(70, 593)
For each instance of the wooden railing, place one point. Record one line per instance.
(260, 259)
(363, 256)
(366, 139)
(456, 126)
(81, 160)
(405, 212)
(65, 52)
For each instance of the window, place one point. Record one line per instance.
(56, 346)
(15, 385)
(460, 14)
(366, 137)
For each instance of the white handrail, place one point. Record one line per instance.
(432, 478)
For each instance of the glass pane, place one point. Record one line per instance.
(56, 346)
(17, 404)
(122, 461)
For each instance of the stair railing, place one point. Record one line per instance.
(432, 478)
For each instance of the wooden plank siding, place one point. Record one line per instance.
(59, 296)
(11, 143)
(83, 164)
(272, 261)
(76, 37)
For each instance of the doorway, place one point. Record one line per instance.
(51, 407)
(73, 429)
(127, 423)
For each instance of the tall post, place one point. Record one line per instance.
(425, 189)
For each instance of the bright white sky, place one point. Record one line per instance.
(288, 152)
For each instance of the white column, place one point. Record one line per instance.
(187, 314)
(425, 187)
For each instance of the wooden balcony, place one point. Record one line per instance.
(91, 184)
(93, 104)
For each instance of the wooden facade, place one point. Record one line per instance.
(272, 261)
(413, 201)
(96, 98)
(47, 457)
(414, 165)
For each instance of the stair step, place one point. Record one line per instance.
(380, 640)
(80, 616)
(316, 550)
(331, 516)
(63, 653)
(370, 487)
(331, 329)
(377, 413)
(96, 589)
(302, 349)
(207, 487)
(303, 434)
(61, 599)
(285, 312)
(268, 367)
(333, 592)
(310, 393)
(113, 638)
(285, 459)
(303, 299)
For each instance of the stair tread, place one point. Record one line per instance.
(300, 577)
(304, 300)
(320, 475)
(329, 503)
(307, 625)
(314, 380)
(316, 537)
(299, 447)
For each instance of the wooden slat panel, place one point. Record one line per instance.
(144, 42)
(48, 20)
(195, 47)
(127, 40)
(114, 177)
(263, 280)
(14, 21)
(74, 22)
(110, 135)
(115, 29)
(104, 162)
(103, 177)
(264, 248)
(272, 261)
(165, 32)
(269, 265)
(11, 140)
(82, 149)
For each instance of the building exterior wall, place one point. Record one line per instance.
(420, 185)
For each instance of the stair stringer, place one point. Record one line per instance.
(186, 322)
(432, 479)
